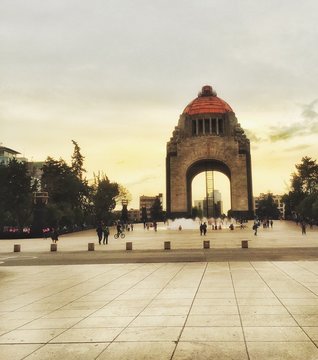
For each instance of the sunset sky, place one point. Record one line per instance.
(115, 76)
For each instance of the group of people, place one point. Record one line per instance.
(148, 225)
(203, 228)
(102, 231)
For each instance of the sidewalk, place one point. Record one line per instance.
(282, 235)
(251, 310)
(256, 311)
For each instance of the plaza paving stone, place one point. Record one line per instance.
(163, 310)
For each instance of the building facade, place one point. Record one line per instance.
(7, 155)
(146, 203)
(277, 199)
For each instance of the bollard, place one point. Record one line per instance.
(167, 245)
(244, 244)
(206, 244)
(16, 248)
(91, 246)
(128, 245)
(53, 247)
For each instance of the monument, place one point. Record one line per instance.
(208, 138)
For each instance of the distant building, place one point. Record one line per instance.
(277, 199)
(7, 155)
(215, 210)
(34, 167)
(146, 202)
(134, 215)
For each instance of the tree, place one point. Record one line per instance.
(104, 195)
(156, 210)
(197, 212)
(123, 195)
(16, 190)
(124, 214)
(66, 193)
(305, 180)
(304, 183)
(77, 161)
(267, 207)
(144, 215)
(308, 207)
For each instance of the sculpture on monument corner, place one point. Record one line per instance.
(208, 137)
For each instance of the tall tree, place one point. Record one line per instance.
(66, 192)
(305, 180)
(77, 161)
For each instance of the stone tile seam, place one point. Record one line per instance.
(286, 274)
(187, 316)
(136, 316)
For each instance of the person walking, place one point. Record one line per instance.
(201, 229)
(99, 232)
(255, 229)
(55, 235)
(204, 228)
(119, 229)
(303, 228)
(106, 234)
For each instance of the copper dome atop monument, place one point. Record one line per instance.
(207, 102)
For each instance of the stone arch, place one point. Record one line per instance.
(208, 136)
(199, 167)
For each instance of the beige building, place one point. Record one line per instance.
(277, 199)
(7, 154)
(147, 202)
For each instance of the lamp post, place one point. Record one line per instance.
(124, 211)
(40, 200)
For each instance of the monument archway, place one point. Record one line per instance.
(205, 165)
(208, 138)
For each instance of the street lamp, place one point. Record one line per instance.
(40, 200)
(124, 212)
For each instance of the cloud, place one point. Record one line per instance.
(141, 179)
(309, 112)
(307, 126)
(286, 132)
(297, 148)
(251, 135)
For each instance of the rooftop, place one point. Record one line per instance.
(207, 102)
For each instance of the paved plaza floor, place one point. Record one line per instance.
(161, 310)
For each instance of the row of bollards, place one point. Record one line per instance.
(129, 246)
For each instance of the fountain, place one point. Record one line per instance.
(190, 224)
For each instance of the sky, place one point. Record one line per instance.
(115, 76)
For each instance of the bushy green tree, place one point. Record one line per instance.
(300, 200)
(144, 215)
(104, 195)
(267, 208)
(16, 190)
(197, 212)
(156, 210)
(66, 193)
(308, 207)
